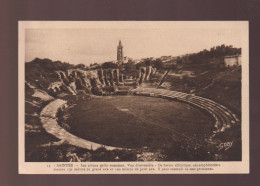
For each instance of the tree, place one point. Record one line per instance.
(81, 66)
(158, 64)
(178, 60)
(140, 64)
(129, 67)
(148, 62)
(109, 65)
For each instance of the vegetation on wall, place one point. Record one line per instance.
(40, 72)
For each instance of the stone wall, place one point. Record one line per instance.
(109, 77)
(74, 81)
(50, 124)
(145, 73)
(97, 82)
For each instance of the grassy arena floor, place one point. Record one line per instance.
(137, 121)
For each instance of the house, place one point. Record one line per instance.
(234, 60)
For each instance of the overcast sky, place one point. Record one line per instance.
(89, 42)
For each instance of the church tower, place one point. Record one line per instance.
(120, 54)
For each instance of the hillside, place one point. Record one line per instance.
(222, 85)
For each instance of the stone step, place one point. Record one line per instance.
(130, 83)
(220, 120)
(180, 94)
(129, 80)
(164, 95)
(124, 87)
(108, 88)
(227, 120)
(121, 92)
(223, 116)
(228, 112)
(217, 107)
(120, 84)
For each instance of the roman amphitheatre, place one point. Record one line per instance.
(146, 111)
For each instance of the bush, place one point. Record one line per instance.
(109, 65)
(130, 67)
(158, 64)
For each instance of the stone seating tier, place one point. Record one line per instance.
(181, 94)
(224, 118)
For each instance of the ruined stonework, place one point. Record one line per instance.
(97, 82)
(145, 73)
(75, 80)
(109, 77)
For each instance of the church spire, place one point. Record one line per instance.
(120, 54)
(120, 43)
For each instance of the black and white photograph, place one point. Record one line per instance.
(133, 91)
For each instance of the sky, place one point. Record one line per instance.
(91, 42)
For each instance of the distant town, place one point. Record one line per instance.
(227, 55)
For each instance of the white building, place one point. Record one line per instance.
(234, 60)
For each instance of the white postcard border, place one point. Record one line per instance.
(131, 167)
